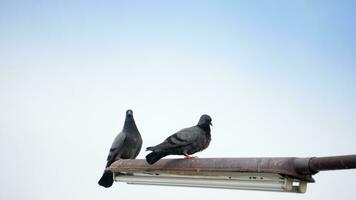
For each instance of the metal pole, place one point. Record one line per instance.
(332, 163)
(300, 168)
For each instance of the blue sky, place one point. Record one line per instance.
(264, 30)
(279, 75)
(297, 41)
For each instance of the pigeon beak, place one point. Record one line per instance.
(210, 124)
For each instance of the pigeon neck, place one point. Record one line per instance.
(130, 125)
(205, 127)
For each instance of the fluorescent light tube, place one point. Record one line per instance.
(238, 180)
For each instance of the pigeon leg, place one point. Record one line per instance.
(187, 156)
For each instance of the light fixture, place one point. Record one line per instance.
(235, 180)
(282, 174)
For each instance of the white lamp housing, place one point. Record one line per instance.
(233, 180)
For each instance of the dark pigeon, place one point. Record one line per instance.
(185, 142)
(127, 145)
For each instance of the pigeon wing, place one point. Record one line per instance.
(182, 138)
(116, 147)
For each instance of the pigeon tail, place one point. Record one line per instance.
(153, 157)
(107, 179)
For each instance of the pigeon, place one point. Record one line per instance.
(185, 142)
(127, 145)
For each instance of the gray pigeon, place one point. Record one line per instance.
(185, 142)
(127, 145)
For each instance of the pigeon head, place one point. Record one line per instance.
(129, 121)
(129, 113)
(205, 120)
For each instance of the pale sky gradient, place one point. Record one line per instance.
(278, 78)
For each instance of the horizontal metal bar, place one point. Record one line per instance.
(206, 166)
(332, 163)
(299, 168)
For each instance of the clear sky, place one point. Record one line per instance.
(278, 78)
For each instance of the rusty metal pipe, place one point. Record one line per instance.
(300, 168)
(332, 163)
